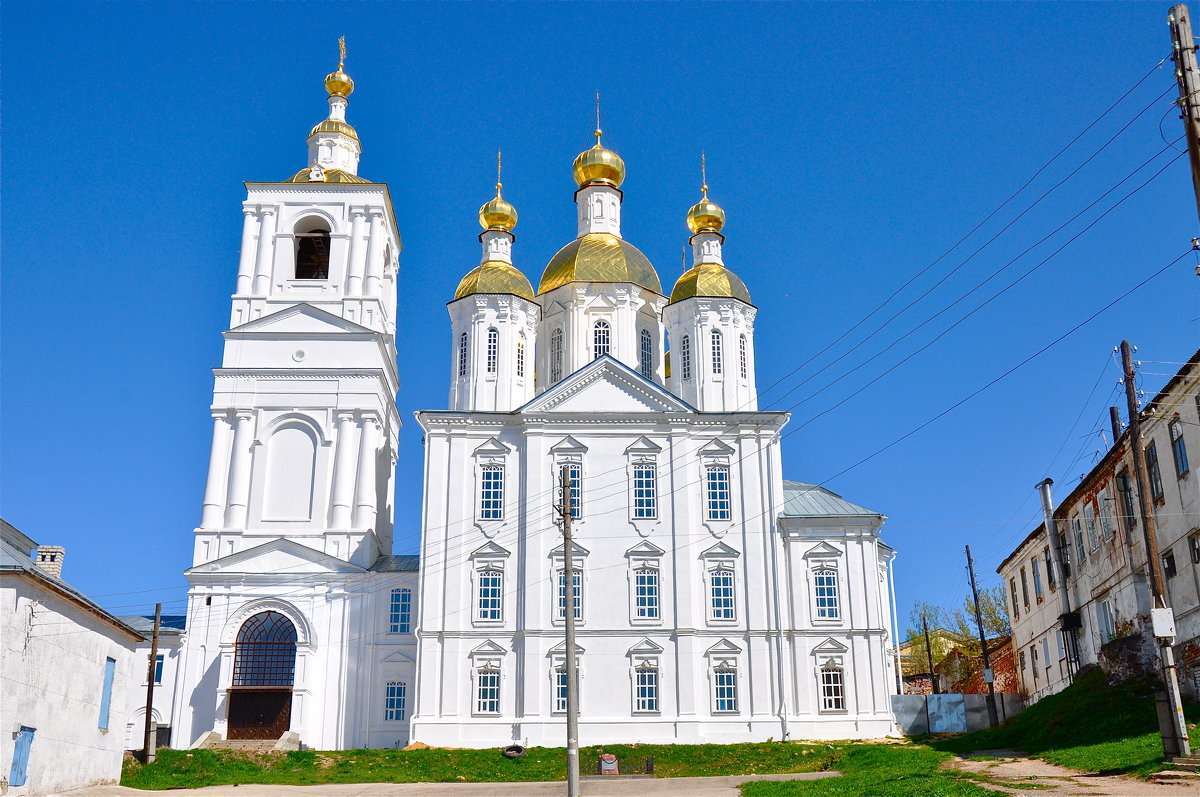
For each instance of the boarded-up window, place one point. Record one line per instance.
(291, 455)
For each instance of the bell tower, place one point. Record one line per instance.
(304, 414)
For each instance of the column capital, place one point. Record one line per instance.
(244, 415)
(221, 415)
(267, 210)
(343, 416)
(249, 210)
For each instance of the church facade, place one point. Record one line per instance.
(714, 600)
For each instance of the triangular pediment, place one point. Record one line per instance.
(643, 445)
(285, 557)
(569, 445)
(606, 386)
(724, 647)
(561, 648)
(491, 446)
(576, 550)
(301, 319)
(489, 549)
(554, 309)
(830, 645)
(716, 447)
(645, 647)
(822, 550)
(720, 551)
(398, 658)
(645, 548)
(488, 648)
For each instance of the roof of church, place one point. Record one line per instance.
(169, 623)
(810, 500)
(397, 564)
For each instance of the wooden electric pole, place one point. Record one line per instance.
(933, 686)
(1174, 729)
(565, 509)
(988, 675)
(151, 732)
(1183, 53)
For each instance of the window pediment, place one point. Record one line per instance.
(644, 550)
(568, 445)
(720, 551)
(491, 448)
(577, 551)
(645, 648)
(823, 551)
(643, 446)
(490, 550)
(716, 448)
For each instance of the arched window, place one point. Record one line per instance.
(716, 352)
(685, 358)
(463, 352)
(312, 254)
(265, 652)
(556, 356)
(290, 469)
(742, 351)
(646, 355)
(601, 339)
(493, 350)
(521, 356)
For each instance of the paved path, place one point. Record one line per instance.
(1012, 767)
(682, 787)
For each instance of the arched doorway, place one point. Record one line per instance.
(264, 668)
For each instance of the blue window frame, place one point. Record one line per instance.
(826, 587)
(646, 697)
(646, 594)
(110, 669)
(560, 690)
(725, 691)
(576, 593)
(158, 669)
(395, 701)
(645, 491)
(400, 612)
(491, 584)
(720, 588)
(491, 492)
(717, 503)
(575, 480)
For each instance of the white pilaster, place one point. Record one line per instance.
(343, 473)
(214, 488)
(364, 493)
(266, 252)
(354, 283)
(245, 276)
(239, 471)
(374, 253)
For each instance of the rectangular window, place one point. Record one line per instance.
(110, 670)
(1046, 652)
(521, 359)
(645, 491)
(646, 594)
(826, 587)
(717, 358)
(1080, 547)
(725, 687)
(1089, 521)
(1107, 528)
(742, 347)
(1022, 661)
(1024, 588)
(1016, 608)
(720, 585)
(491, 492)
(491, 585)
(395, 700)
(1194, 547)
(1105, 620)
(833, 689)
(1050, 577)
(646, 690)
(463, 353)
(1178, 447)
(717, 503)
(576, 593)
(159, 660)
(1036, 565)
(493, 350)
(685, 358)
(487, 694)
(1058, 638)
(574, 474)
(1155, 473)
(1169, 569)
(1033, 655)
(1125, 489)
(560, 690)
(400, 612)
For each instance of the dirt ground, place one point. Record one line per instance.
(1012, 773)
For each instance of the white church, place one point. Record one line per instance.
(715, 601)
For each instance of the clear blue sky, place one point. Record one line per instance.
(850, 145)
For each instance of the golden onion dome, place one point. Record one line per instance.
(598, 165)
(600, 257)
(335, 126)
(709, 280)
(494, 276)
(705, 215)
(339, 83)
(498, 214)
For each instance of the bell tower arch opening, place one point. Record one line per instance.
(312, 250)
(264, 671)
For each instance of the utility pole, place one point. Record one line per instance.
(929, 655)
(1174, 729)
(565, 509)
(1183, 53)
(151, 743)
(1068, 621)
(988, 675)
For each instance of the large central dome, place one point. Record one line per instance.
(600, 257)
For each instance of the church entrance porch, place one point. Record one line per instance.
(264, 669)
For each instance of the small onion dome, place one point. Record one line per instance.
(705, 216)
(710, 280)
(598, 165)
(338, 83)
(600, 257)
(335, 126)
(494, 276)
(498, 214)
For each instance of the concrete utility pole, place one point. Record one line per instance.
(1174, 729)
(1068, 621)
(988, 675)
(564, 509)
(151, 743)
(1183, 53)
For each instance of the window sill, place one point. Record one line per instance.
(637, 713)
(645, 621)
(488, 623)
(835, 711)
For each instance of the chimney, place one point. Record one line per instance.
(50, 559)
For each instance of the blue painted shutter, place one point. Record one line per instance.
(20, 761)
(110, 668)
